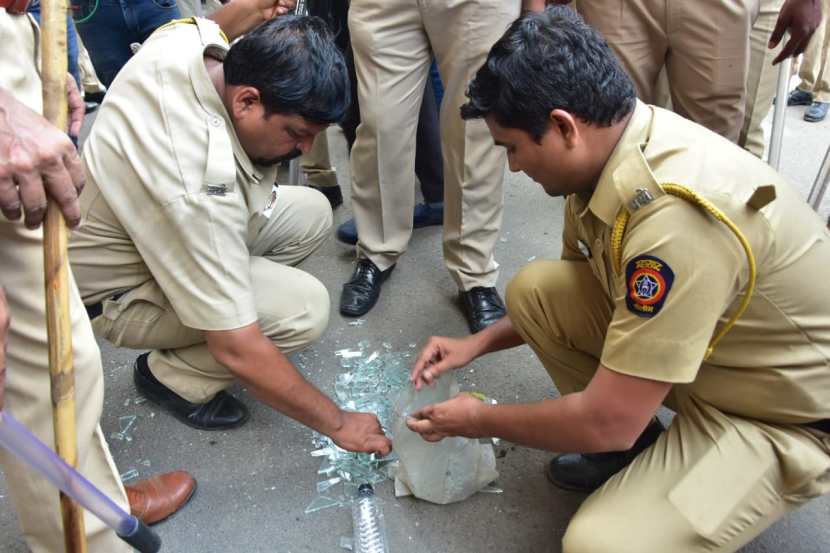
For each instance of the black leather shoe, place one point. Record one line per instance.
(482, 307)
(363, 290)
(220, 413)
(587, 472)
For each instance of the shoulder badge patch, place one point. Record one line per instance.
(648, 281)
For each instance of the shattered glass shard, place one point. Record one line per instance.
(321, 502)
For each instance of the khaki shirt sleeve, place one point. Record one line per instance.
(203, 266)
(681, 270)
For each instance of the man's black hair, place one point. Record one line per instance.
(545, 61)
(294, 64)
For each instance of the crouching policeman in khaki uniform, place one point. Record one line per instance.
(691, 276)
(187, 245)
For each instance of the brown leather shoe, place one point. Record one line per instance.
(155, 499)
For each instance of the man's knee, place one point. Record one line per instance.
(589, 532)
(317, 213)
(318, 312)
(304, 322)
(529, 285)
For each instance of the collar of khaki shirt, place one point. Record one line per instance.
(209, 97)
(625, 171)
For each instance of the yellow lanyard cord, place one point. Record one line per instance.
(618, 232)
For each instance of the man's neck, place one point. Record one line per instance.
(605, 141)
(216, 72)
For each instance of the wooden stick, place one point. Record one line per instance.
(56, 267)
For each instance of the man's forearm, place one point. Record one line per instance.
(565, 424)
(274, 380)
(497, 337)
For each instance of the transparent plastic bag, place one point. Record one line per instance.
(443, 472)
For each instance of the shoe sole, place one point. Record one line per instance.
(161, 403)
(814, 119)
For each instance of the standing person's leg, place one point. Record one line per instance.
(145, 16)
(709, 484)
(634, 30)
(811, 61)
(429, 163)
(461, 35)
(104, 31)
(429, 168)
(28, 398)
(319, 172)
(708, 60)
(392, 56)
(761, 77)
(821, 70)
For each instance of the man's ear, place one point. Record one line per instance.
(564, 124)
(246, 101)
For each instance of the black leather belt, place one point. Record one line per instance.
(96, 309)
(822, 425)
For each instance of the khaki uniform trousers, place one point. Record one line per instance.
(711, 482)
(704, 46)
(815, 67)
(292, 305)
(28, 398)
(394, 42)
(316, 164)
(761, 76)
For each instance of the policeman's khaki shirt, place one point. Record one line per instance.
(171, 194)
(19, 58)
(683, 273)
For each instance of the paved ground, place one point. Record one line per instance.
(255, 482)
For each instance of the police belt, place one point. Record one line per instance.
(97, 308)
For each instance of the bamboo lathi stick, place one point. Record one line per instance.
(56, 267)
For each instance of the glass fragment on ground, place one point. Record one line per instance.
(371, 377)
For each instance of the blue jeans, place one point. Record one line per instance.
(71, 42)
(437, 85)
(116, 24)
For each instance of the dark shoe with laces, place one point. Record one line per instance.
(816, 112)
(585, 472)
(799, 98)
(363, 290)
(482, 307)
(220, 413)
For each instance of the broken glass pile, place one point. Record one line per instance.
(372, 378)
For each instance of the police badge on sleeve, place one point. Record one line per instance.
(648, 281)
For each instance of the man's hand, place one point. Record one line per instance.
(237, 17)
(77, 108)
(4, 333)
(37, 160)
(800, 18)
(439, 356)
(361, 432)
(455, 417)
(275, 8)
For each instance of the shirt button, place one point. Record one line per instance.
(216, 122)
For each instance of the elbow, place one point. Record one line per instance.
(615, 433)
(226, 350)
